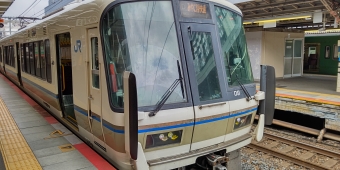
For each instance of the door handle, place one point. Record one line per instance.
(90, 97)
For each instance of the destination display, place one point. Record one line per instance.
(190, 9)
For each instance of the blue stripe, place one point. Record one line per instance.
(168, 127)
(96, 118)
(165, 127)
(225, 117)
(80, 110)
(40, 88)
(197, 123)
(112, 129)
(83, 112)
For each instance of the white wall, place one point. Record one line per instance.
(254, 42)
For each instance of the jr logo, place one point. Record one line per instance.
(77, 47)
(237, 93)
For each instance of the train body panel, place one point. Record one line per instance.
(190, 100)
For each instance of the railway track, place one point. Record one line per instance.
(297, 152)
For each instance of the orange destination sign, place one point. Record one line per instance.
(190, 9)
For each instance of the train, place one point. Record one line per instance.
(147, 84)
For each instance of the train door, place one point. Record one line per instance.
(94, 87)
(18, 62)
(63, 46)
(204, 63)
(293, 57)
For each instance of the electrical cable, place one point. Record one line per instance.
(33, 6)
(28, 8)
(43, 10)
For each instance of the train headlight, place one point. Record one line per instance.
(242, 121)
(161, 139)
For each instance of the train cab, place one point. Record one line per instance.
(147, 84)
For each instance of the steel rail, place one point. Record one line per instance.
(285, 156)
(325, 152)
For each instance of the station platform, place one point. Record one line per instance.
(313, 95)
(32, 139)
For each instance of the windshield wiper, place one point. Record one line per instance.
(168, 92)
(165, 97)
(243, 88)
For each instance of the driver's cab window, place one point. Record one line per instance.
(142, 41)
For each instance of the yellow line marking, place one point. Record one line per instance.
(15, 150)
(307, 92)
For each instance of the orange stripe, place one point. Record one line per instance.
(309, 99)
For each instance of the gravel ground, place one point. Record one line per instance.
(260, 161)
(255, 160)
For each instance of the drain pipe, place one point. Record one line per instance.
(321, 134)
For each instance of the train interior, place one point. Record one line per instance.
(311, 61)
(65, 65)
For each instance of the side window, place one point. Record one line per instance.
(22, 58)
(27, 55)
(5, 55)
(48, 61)
(95, 62)
(42, 60)
(0, 54)
(32, 63)
(12, 56)
(37, 59)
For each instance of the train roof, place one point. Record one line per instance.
(54, 17)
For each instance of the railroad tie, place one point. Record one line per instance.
(306, 155)
(329, 163)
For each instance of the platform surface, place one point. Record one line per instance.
(27, 140)
(313, 88)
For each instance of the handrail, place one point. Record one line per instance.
(63, 71)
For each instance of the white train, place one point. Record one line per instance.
(147, 84)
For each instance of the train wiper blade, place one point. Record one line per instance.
(180, 77)
(243, 88)
(165, 97)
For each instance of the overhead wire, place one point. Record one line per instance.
(43, 10)
(33, 6)
(28, 8)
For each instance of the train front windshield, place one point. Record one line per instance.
(141, 37)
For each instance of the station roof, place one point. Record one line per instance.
(287, 13)
(4, 5)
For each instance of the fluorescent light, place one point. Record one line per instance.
(282, 19)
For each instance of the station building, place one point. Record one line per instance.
(301, 40)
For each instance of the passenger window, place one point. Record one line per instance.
(5, 55)
(12, 56)
(42, 60)
(37, 59)
(48, 61)
(27, 55)
(0, 54)
(95, 62)
(22, 58)
(32, 63)
(204, 59)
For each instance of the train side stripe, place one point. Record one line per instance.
(82, 111)
(225, 117)
(39, 87)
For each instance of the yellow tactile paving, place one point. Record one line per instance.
(14, 148)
